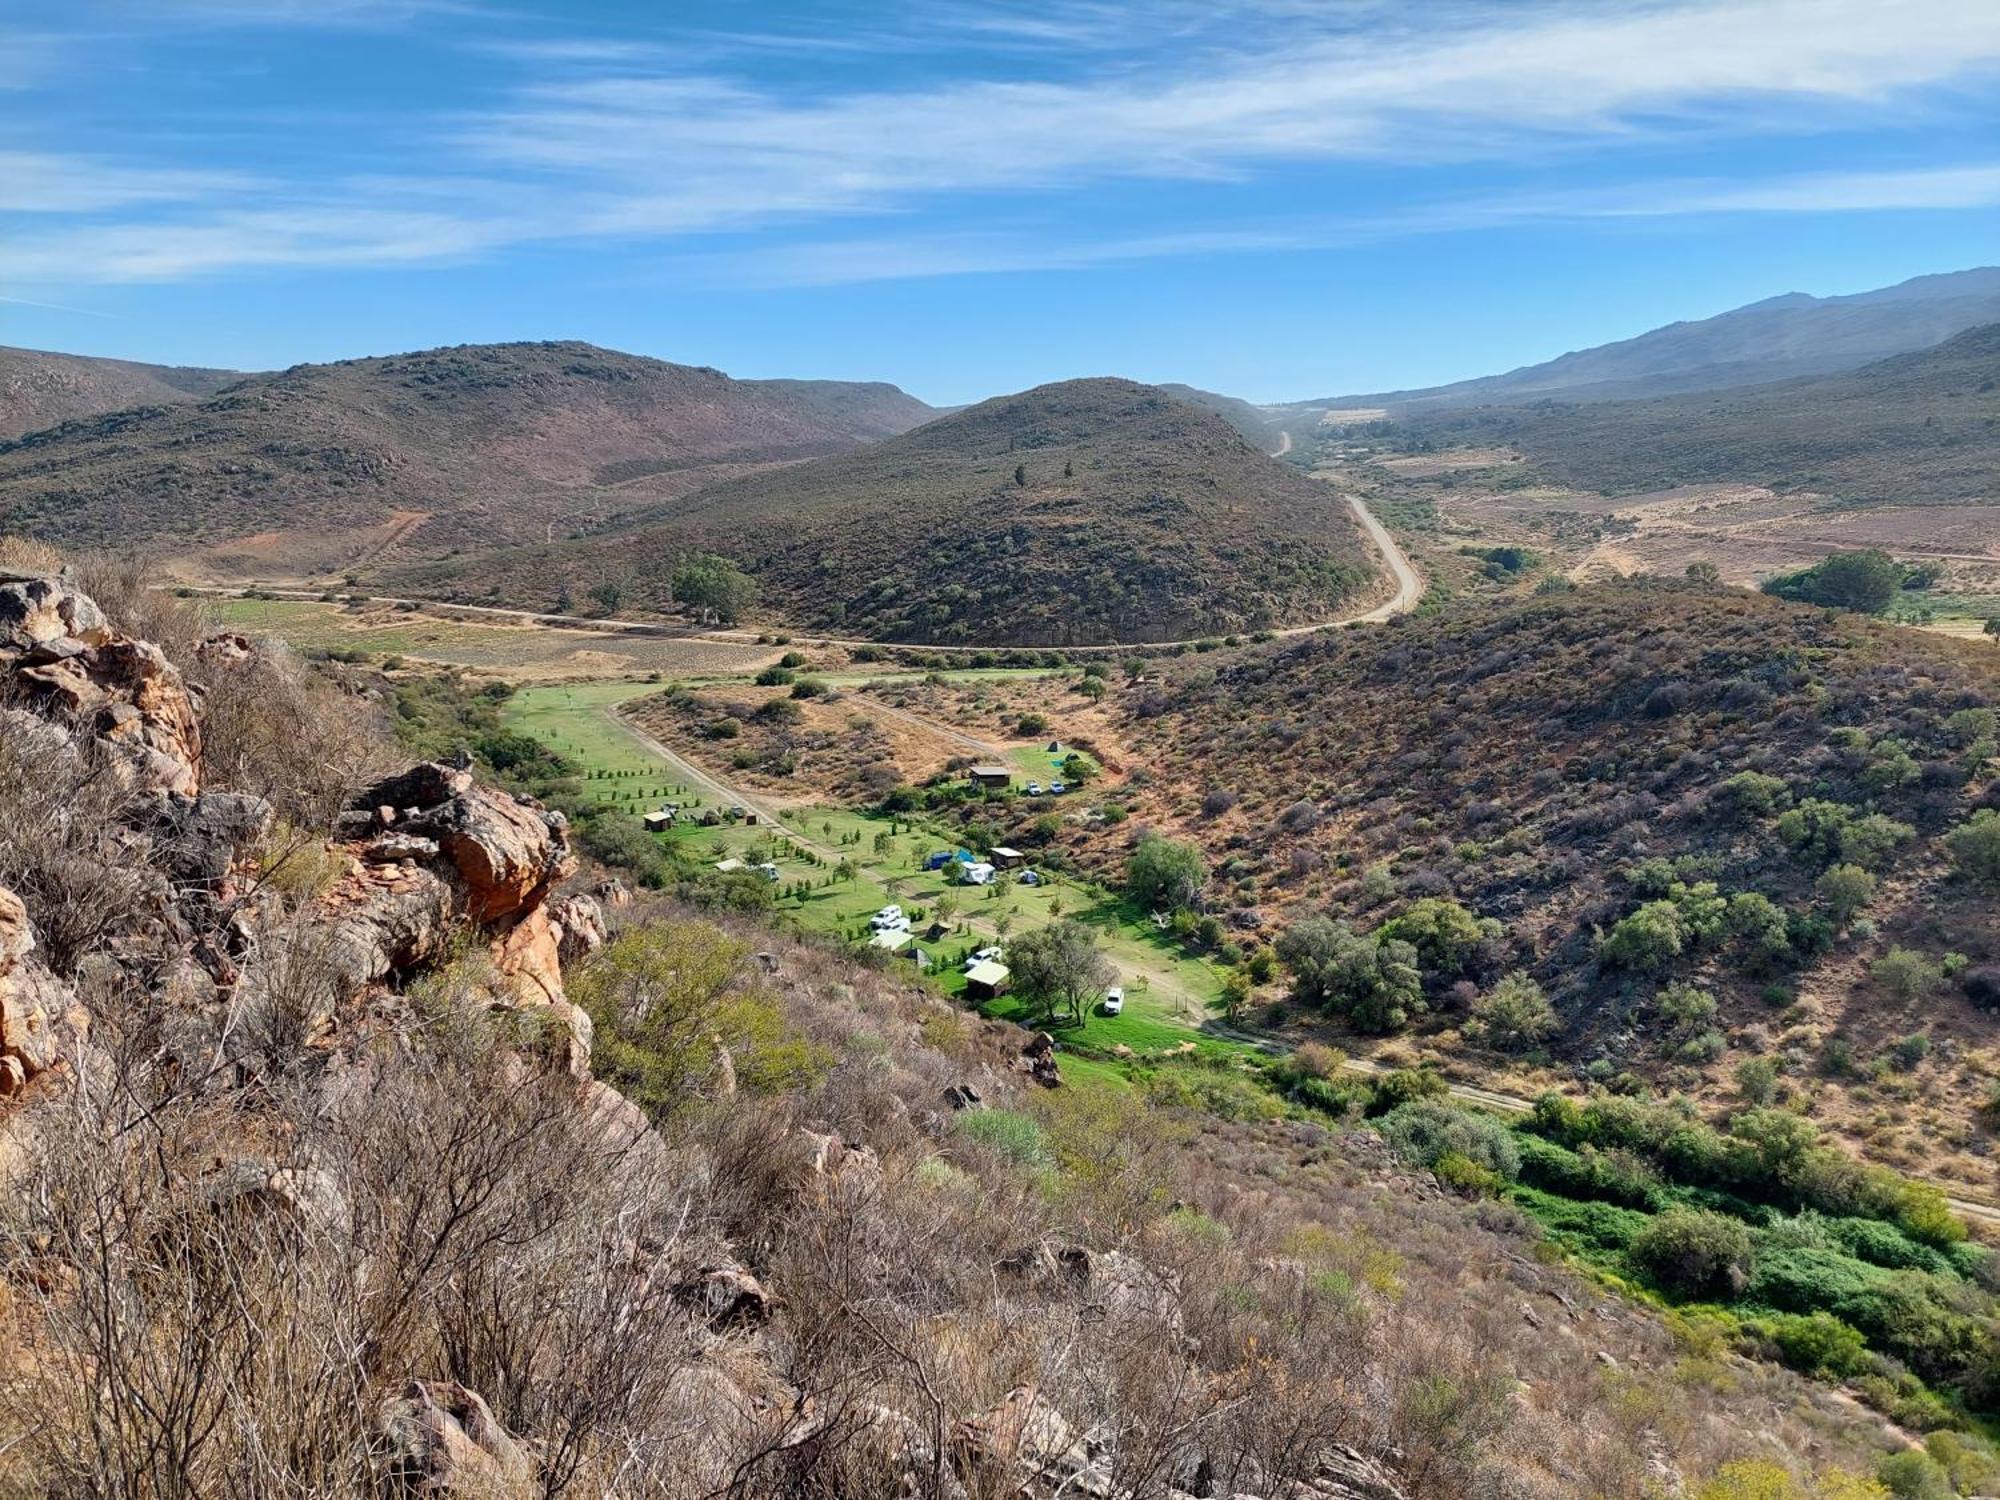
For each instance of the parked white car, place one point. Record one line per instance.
(1114, 1000)
(1034, 789)
(985, 955)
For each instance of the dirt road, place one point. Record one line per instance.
(1409, 589)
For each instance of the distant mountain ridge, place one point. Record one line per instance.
(1780, 338)
(439, 449)
(1921, 428)
(40, 389)
(1083, 512)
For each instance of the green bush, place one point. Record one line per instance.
(1815, 1344)
(1425, 1131)
(1009, 1134)
(1975, 847)
(1647, 939)
(1692, 1253)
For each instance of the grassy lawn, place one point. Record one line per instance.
(571, 719)
(1170, 994)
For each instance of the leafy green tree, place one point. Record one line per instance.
(1165, 875)
(1845, 891)
(1692, 1253)
(1975, 847)
(1867, 581)
(1444, 934)
(714, 587)
(1686, 1008)
(1376, 982)
(1060, 966)
(1648, 939)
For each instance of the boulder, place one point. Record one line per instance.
(1024, 1445)
(35, 609)
(728, 1296)
(306, 1196)
(200, 837)
(1038, 1060)
(38, 1013)
(580, 927)
(60, 656)
(438, 1438)
(505, 852)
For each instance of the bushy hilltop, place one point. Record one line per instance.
(39, 389)
(1632, 788)
(343, 1151)
(1082, 512)
(484, 443)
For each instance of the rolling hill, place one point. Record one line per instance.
(321, 467)
(1919, 428)
(1558, 764)
(39, 389)
(1087, 511)
(1780, 338)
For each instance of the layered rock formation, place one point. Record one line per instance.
(421, 858)
(60, 657)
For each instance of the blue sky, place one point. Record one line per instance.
(1274, 198)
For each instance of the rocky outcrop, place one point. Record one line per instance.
(1025, 1446)
(580, 927)
(61, 656)
(37, 1012)
(505, 853)
(438, 1438)
(431, 850)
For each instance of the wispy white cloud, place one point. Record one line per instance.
(45, 183)
(611, 138)
(1956, 187)
(849, 260)
(683, 153)
(237, 241)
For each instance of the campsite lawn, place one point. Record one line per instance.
(1168, 992)
(617, 768)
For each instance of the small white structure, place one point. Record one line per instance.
(903, 944)
(977, 874)
(730, 866)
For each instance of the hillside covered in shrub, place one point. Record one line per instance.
(1639, 826)
(1081, 512)
(355, 1142)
